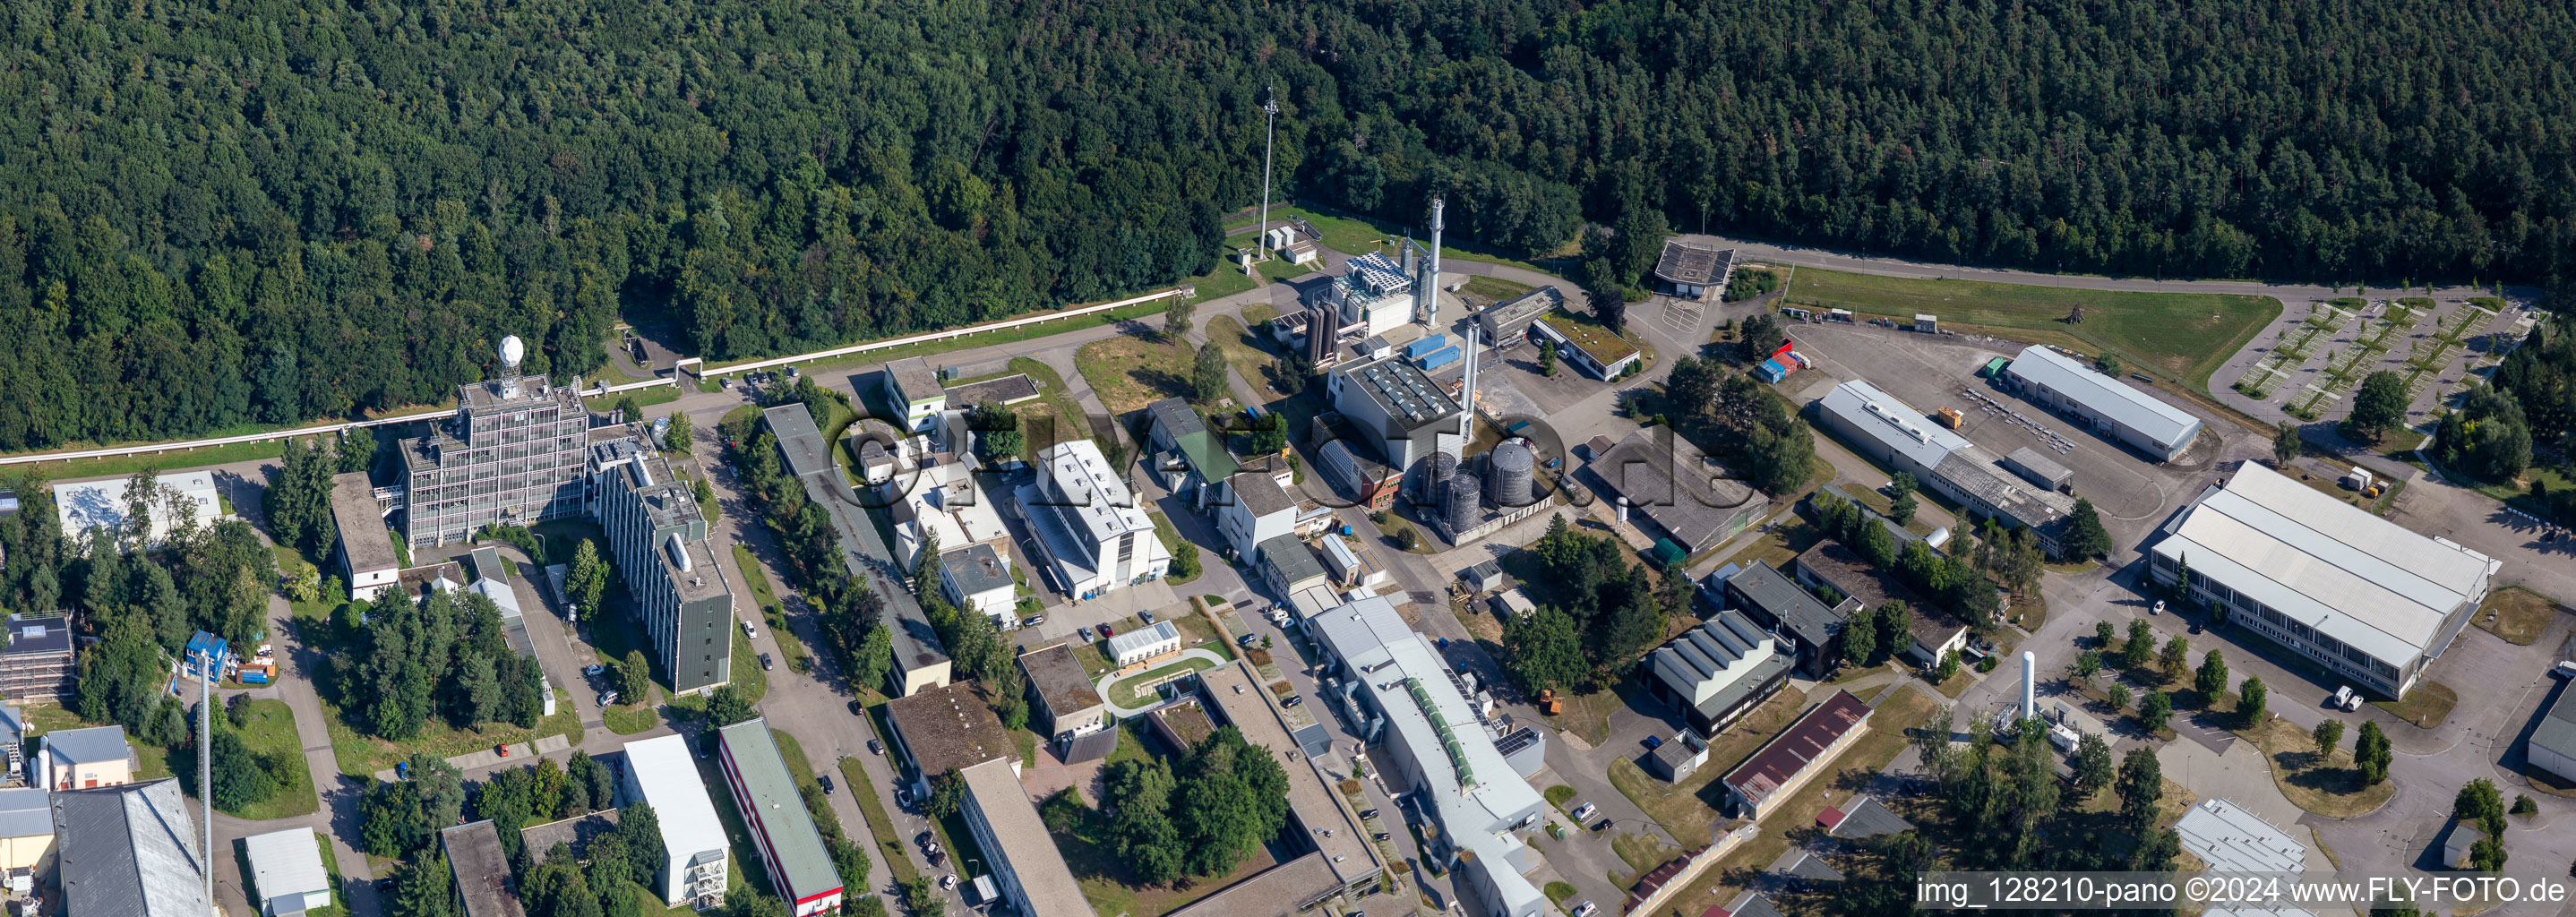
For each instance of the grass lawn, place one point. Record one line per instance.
(1781, 545)
(1134, 690)
(152, 762)
(1197, 632)
(772, 614)
(1173, 542)
(1130, 372)
(1688, 809)
(1588, 715)
(2520, 615)
(644, 398)
(1887, 736)
(1275, 270)
(363, 755)
(129, 464)
(2328, 785)
(2183, 335)
(854, 780)
(2426, 706)
(1072, 422)
(1642, 852)
(271, 735)
(1010, 335)
(629, 719)
(1490, 290)
(1242, 350)
(1227, 280)
(1559, 795)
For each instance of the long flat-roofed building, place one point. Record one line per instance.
(920, 660)
(1316, 811)
(1886, 431)
(944, 729)
(1093, 536)
(1672, 492)
(366, 548)
(2359, 594)
(661, 773)
(1432, 740)
(2111, 407)
(681, 597)
(1023, 855)
(764, 791)
(482, 870)
(1796, 755)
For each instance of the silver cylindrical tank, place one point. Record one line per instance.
(1464, 501)
(1510, 467)
(1436, 473)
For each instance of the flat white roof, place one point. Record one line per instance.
(1093, 491)
(1159, 632)
(1891, 424)
(1408, 680)
(82, 505)
(2351, 575)
(286, 862)
(2231, 839)
(1032, 854)
(668, 776)
(2107, 396)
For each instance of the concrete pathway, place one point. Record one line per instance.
(1102, 685)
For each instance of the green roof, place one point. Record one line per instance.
(1666, 553)
(1206, 455)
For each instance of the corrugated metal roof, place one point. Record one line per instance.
(129, 850)
(96, 743)
(2231, 839)
(2104, 395)
(25, 812)
(1890, 424)
(2351, 575)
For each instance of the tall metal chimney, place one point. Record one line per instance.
(1427, 289)
(2029, 682)
(1467, 395)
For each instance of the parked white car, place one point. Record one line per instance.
(1585, 909)
(1584, 811)
(748, 632)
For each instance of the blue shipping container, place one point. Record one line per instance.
(253, 677)
(1771, 371)
(1442, 357)
(1426, 345)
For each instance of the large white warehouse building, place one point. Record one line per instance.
(2109, 406)
(2369, 600)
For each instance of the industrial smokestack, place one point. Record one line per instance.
(1428, 287)
(2029, 683)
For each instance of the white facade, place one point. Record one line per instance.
(1375, 291)
(1090, 534)
(81, 506)
(946, 500)
(2354, 592)
(1254, 510)
(1431, 739)
(2110, 406)
(1157, 639)
(286, 868)
(660, 772)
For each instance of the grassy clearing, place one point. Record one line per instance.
(1135, 690)
(1688, 809)
(1242, 350)
(1485, 291)
(1128, 373)
(2518, 615)
(271, 735)
(1588, 715)
(2184, 335)
(1173, 542)
(1228, 279)
(1275, 270)
(1781, 545)
(1559, 795)
(1641, 852)
(2327, 784)
(129, 464)
(1197, 632)
(1889, 730)
(629, 719)
(2426, 706)
(1072, 420)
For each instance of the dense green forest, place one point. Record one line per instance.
(224, 212)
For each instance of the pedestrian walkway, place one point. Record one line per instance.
(522, 751)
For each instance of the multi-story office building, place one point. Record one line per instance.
(661, 773)
(659, 537)
(513, 454)
(1093, 536)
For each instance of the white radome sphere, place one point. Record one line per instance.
(512, 350)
